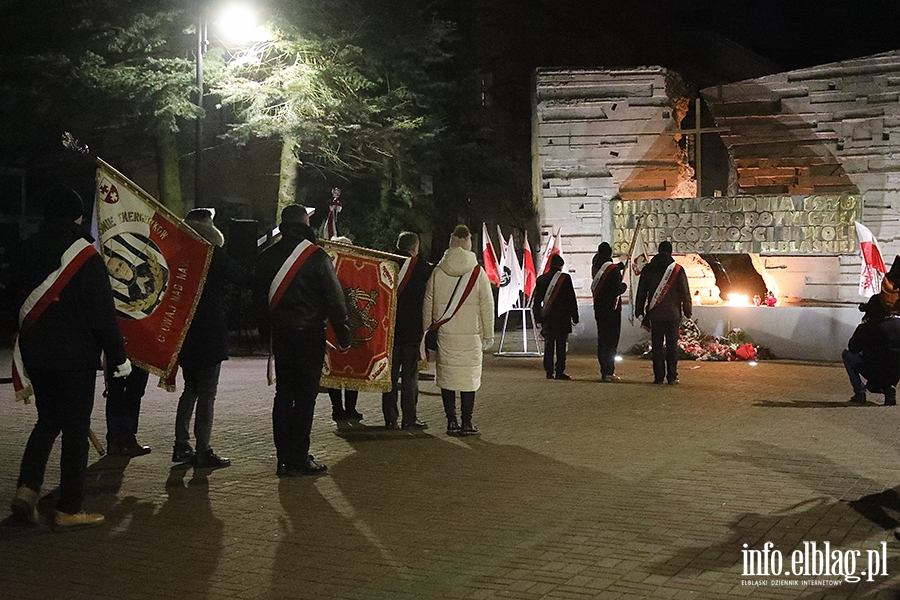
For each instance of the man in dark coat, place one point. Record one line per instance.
(60, 350)
(663, 295)
(873, 354)
(205, 347)
(308, 295)
(606, 287)
(555, 308)
(407, 336)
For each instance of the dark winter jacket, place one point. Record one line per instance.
(606, 296)
(81, 323)
(878, 339)
(408, 328)
(206, 342)
(676, 301)
(314, 294)
(564, 310)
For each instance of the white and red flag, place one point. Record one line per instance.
(491, 265)
(334, 207)
(510, 280)
(554, 246)
(528, 269)
(873, 268)
(637, 258)
(157, 267)
(503, 244)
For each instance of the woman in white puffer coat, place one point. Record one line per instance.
(462, 339)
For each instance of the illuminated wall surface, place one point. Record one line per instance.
(806, 153)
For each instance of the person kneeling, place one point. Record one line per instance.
(873, 354)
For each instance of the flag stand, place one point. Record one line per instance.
(526, 312)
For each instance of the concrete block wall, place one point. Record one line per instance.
(822, 130)
(599, 134)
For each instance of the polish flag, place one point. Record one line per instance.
(528, 268)
(490, 258)
(873, 269)
(554, 246)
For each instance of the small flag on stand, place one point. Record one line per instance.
(489, 257)
(873, 268)
(554, 246)
(528, 267)
(510, 280)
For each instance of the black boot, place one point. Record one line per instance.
(449, 399)
(467, 405)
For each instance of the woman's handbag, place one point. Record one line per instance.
(431, 334)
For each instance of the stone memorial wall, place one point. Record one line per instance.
(812, 150)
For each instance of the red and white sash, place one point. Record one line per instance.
(604, 270)
(665, 284)
(456, 301)
(279, 285)
(285, 274)
(600, 276)
(406, 273)
(39, 300)
(552, 292)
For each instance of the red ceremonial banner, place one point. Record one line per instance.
(370, 280)
(157, 267)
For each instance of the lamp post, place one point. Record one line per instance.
(238, 24)
(198, 127)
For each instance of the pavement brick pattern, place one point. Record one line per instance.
(573, 490)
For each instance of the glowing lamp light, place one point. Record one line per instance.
(618, 358)
(752, 363)
(738, 300)
(237, 24)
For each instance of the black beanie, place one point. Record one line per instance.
(62, 203)
(604, 250)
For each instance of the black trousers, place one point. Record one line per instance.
(299, 356)
(664, 339)
(64, 401)
(466, 405)
(123, 406)
(343, 399)
(609, 329)
(405, 367)
(555, 343)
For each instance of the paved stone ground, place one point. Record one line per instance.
(573, 490)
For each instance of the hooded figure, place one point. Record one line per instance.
(463, 338)
(205, 347)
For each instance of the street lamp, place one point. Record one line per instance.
(237, 23)
(202, 43)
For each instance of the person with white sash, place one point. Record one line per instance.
(414, 275)
(296, 291)
(663, 296)
(606, 289)
(555, 308)
(66, 320)
(458, 300)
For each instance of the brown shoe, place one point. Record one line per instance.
(81, 519)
